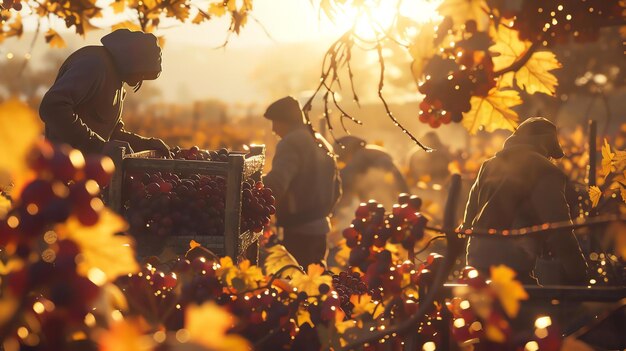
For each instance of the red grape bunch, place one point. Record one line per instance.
(165, 204)
(347, 284)
(195, 153)
(258, 204)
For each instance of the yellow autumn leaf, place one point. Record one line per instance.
(251, 275)
(125, 335)
(246, 275)
(54, 39)
(105, 255)
(494, 334)
(207, 326)
(463, 10)
(217, 9)
(594, 195)
(365, 304)
(130, 25)
(118, 6)
(19, 129)
(534, 76)
(303, 316)
(12, 265)
(278, 258)
(509, 290)
(607, 158)
(200, 17)
(422, 49)
(343, 254)
(310, 282)
(493, 111)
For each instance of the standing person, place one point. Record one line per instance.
(305, 182)
(83, 107)
(519, 187)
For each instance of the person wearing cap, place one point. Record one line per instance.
(83, 108)
(305, 182)
(517, 188)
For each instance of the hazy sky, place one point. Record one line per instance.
(193, 69)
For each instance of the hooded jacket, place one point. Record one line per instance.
(519, 187)
(83, 107)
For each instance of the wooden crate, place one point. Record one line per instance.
(240, 167)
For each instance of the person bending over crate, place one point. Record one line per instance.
(519, 187)
(83, 107)
(305, 181)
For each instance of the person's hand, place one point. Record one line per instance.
(158, 145)
(111, 147)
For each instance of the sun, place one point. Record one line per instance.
(374, 19)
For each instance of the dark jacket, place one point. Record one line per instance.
(304, 179)
(83, 107)
(517, 188)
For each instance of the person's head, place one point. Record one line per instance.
(137, 55)
(346, 146)
(285, 114)
(539, 133)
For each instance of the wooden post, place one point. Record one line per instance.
(593, 130)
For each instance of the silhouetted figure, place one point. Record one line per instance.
(367, 172)
(305, 182)
(519, 187)
(432, 165)
(83, 107)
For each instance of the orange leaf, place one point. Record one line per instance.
(54, 39)
(19, 129)
(594, 195)
(207, 326)
(310, 282)
(509, 290)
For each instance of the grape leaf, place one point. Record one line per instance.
(278, 258)
(54, 39)
(303, 316)
(493, 111)
(463, 10)
(200, 17)
(178, 9)
(217, 9)
(594, 195)
(534, 76)
(118, 6)
(422, 49)
(208, 325)
(245, 275)
(19, 129)
(607, 158)
(104, 254)
(125, 335)
(509, 290)
(365, 304)
(130, 25)
(310, 282)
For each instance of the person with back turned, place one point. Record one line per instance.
(305, 181)
(519, 187)
(83, 108)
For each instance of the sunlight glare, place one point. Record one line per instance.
(373, 18)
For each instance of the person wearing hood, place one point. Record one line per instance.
(83, 108)
(519, 187)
